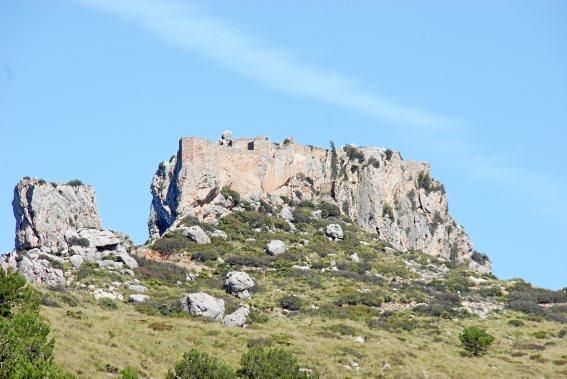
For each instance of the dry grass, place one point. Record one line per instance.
(102, 340)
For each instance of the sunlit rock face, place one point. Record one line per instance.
(375, 187)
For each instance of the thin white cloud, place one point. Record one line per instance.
(184, 26)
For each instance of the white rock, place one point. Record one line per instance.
(137, 298)
(202, 304)
(334, 231)
(286, 213)
(237, 282)
(196, 234)
(76, 261)
(355, 258)
(237, 318)
(137, 288)
(276, 247)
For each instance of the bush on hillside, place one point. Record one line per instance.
(78, 241)
(198, 364)
(291, 303)
(74, 183)
(26, 351)
(270, 364)
(475, 340)
(171, 243)
(164, 272)
(329, 210)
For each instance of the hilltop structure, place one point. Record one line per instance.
(374, 187)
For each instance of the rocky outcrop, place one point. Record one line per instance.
(375, 187)
(59, 223)
(334, 232)
(45, 211)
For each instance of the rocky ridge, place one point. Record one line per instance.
(382, 193)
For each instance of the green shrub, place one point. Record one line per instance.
(475, 340)
(302, 215)
(269, 364)
(171, 243)
(107, 303)
(261, 342)
(370, 299)
(329, 210)
(228, 192)
(343, 329)
(291, 303)
(74, 183)
(129, 373)
(197, 364)
(203, 256)
(78, 241)
(516, 323)
(353, 153)
(164, 272)
(25, 348)
(388, 211)
(249, 260)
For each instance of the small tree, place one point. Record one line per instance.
(475, 340)
(26, 351)
(197, 364)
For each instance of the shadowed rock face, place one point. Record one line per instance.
(45, 211)
(375, 187)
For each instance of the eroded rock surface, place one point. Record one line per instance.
(59, 223)
(375, 187)
(45, 211)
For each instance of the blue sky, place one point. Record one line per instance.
(101, 90)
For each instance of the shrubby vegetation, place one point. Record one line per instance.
(256, 363)
(475, 340)
(197, 364)
(26, 351)
(353, 153)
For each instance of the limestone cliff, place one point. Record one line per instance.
(374, 187)
(58, 224)
(45, 211)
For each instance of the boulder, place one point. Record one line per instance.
(202, 304)
(196, 234)
(239, 283)
(276, 247)
(76, 261)
(137, 298)
(217, 233)
(137, 288)
(286, 213)
(334, 231)
(99, 293)
(237, 318)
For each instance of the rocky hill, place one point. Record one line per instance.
(277, 258)
(382, 193)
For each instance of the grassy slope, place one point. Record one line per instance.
(104, 340)
(122, 337)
